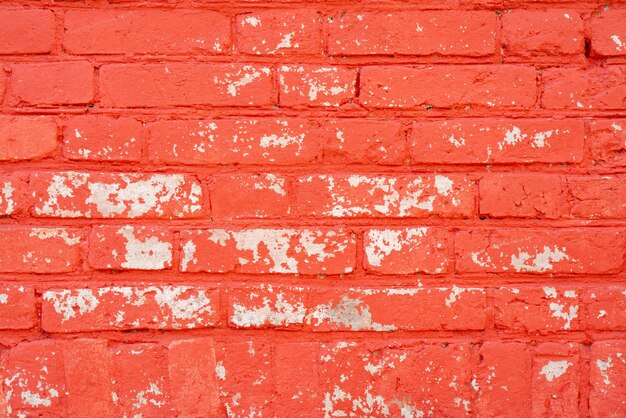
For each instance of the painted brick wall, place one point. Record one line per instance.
(312, 208)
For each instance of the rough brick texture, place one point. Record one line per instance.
(280, 208)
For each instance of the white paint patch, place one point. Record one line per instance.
(68, 303)
(279, 313)
(555, 369)
(348, 312)
(48, 233)
(382, 242)
(189, 252)
(7, 195)
(603, 366)
(146, 254)
(540, 262)
(618, 42)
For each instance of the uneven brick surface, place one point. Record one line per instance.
(280, 208)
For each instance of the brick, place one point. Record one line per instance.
(244, 371)
(130, 247)
(267, 307)
(128, 308)
(497, 141)
(529, 33)
(598, 88)
(606, 307)
(115, 195)
(17, 307)
(28, 31)
(504, 379)
(608, 33)
(598, 197)
(265, 141)
(54, 83)
(296, 374)
(89, 380)
(506, 86)
(364, 141)
(355, 195)
(33, 379)
(363, 379)
(523, 196)
(191, 367)
(27, 138)
(407, 32)
(607, 142)
(260, 251)
(39, 250)
(557, 251)
(311, 85)
(357, 309)
(537, 309)
(279, 32)
(607, 379)
(146, 32)
(414, 309)
(184, 84)
(99, 138)
(556, 376)
(141, 376)
(250, 196)
(407, 250)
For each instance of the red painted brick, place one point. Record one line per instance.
(598, 197)
(130, 247)
(528, 33)
(537, 309)
(183, 84)
(33, 379)
(115, 195)
(141, 376)
(597, 88)
(504, 379)
(540, 251)
(506, 86)
(523, 196)
(250, 196)
(27, 138)
(244, 371)
(17, 307)
(497, 141)
(556, 376)
(146, 32)
(192, 375)
(387, 379)
(296, 374)
(606, 307)
(608, 379)
(279, 32)
(310, 85)
(358, 195)
(54, 83)
(406, 32)
(421, 309)
(89, 379)
(259, 251)
(608, 33)
(98, 138)
(39, 250)
(242, 141)
(607, 142)
(28, 31)
(127, 307)
(407, 250)
(357, 309)
(363, 141)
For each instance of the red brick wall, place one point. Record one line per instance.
(312, 209)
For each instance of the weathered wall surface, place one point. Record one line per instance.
(312, 208)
